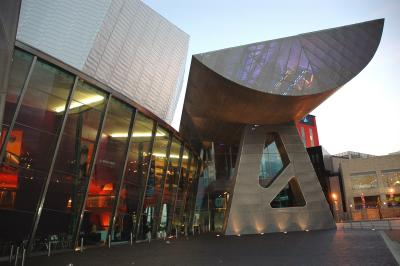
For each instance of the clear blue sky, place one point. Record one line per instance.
(364, 115)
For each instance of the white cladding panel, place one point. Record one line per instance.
(122, 43)
(63, 29)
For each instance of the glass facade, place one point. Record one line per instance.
(170, 185)
(72, 165)
(78, 163)
(364, 180)
(289, 196)
(155, 183)
(107, 172)
(135, 178)
(179, 204)
(274, 159)
(225, 160)
(391, 178)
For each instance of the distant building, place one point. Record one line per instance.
(353, 155)
(372, 178)
(362, 185)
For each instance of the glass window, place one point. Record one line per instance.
(393, 200)
(135, 178)
(311, 137)
(184, 211)
(154, 183)
(108, 167)
(179, 203)
(30, 149)
(391, 178)
(274, 159)
(289, 196)
(364, 180)
(170, 186)
(191, 194)
(71, 171)
(363, 202)
(303, 136)
(21, 63)
(225, 160)
(219, 206)
(50, 80)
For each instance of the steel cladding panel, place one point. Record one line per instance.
(123, 43)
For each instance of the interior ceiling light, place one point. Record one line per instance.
(136, 135)
(171, 155)
(75, 104)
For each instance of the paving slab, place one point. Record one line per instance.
(294, 248)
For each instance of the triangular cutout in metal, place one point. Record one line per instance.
(289, 196)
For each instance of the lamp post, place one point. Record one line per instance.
(351, 212)
(335, 205)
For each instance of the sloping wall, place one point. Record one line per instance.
(250, 210)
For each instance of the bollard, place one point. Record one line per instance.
(11, 253)
(176, 232)
(131, 239)
(23, 256)
(81, 244)
(16, 257)
(49, 250)
(109, 241)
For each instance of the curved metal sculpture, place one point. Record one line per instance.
(271, 84)
(274, 81)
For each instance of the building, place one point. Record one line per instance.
(307, 128)
(124, 44)
(369, 187)
(83, 160)
(352, 155)
(242, 105)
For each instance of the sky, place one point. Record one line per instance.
(364, 115)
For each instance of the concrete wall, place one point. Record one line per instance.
(250, 210)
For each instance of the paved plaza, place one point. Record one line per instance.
(297, 248)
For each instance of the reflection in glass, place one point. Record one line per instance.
(30, 149)
(365, 202)
(225, 160)
(274, 159)
(364, 180)
(219, 206)
(191, 194)
(170, 186)
(391, 177)
(289, 196)
(71, 171)
(154, 183)
(107, 173)
(182, 185)
(135, 178)
(21, 63)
